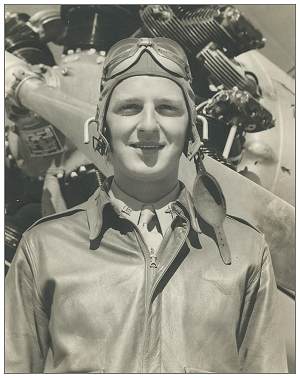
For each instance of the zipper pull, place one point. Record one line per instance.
(153, 258)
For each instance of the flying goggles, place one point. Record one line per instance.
(167, 53)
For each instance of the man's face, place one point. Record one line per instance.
(147, 119)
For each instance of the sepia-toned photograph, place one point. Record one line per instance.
(149, 188)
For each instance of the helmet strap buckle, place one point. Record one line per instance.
(194, 144)
(101, 144)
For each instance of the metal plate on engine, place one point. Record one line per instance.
(41, 141)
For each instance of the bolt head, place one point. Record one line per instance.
(91, 51)
(73, 174)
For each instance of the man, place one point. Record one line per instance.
(136, 280)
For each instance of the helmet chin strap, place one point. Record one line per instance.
(210, 205)
(208, 197)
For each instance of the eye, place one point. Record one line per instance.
(168, 109)
(129, 109)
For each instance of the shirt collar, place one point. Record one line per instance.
(131, 207)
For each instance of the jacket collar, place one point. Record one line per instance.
(184, 204)
(95, 206)
(100, 199)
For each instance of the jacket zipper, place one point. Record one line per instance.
(151, 253)
(151, 264)
(155, 285)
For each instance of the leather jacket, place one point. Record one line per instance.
(81, 297)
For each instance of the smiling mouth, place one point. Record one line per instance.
(147, 145)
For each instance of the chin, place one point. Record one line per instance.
(147, 174)
(147, 168)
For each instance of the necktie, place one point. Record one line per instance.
(147, 214)
(150, 229)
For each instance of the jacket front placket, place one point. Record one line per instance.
(170, 248)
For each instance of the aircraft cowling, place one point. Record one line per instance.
(270, 154)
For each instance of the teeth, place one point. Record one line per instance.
(147, 146)
(150, 147)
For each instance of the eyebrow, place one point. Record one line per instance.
(170, 100)
(129, 100)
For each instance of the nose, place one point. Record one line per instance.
(148, 122)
